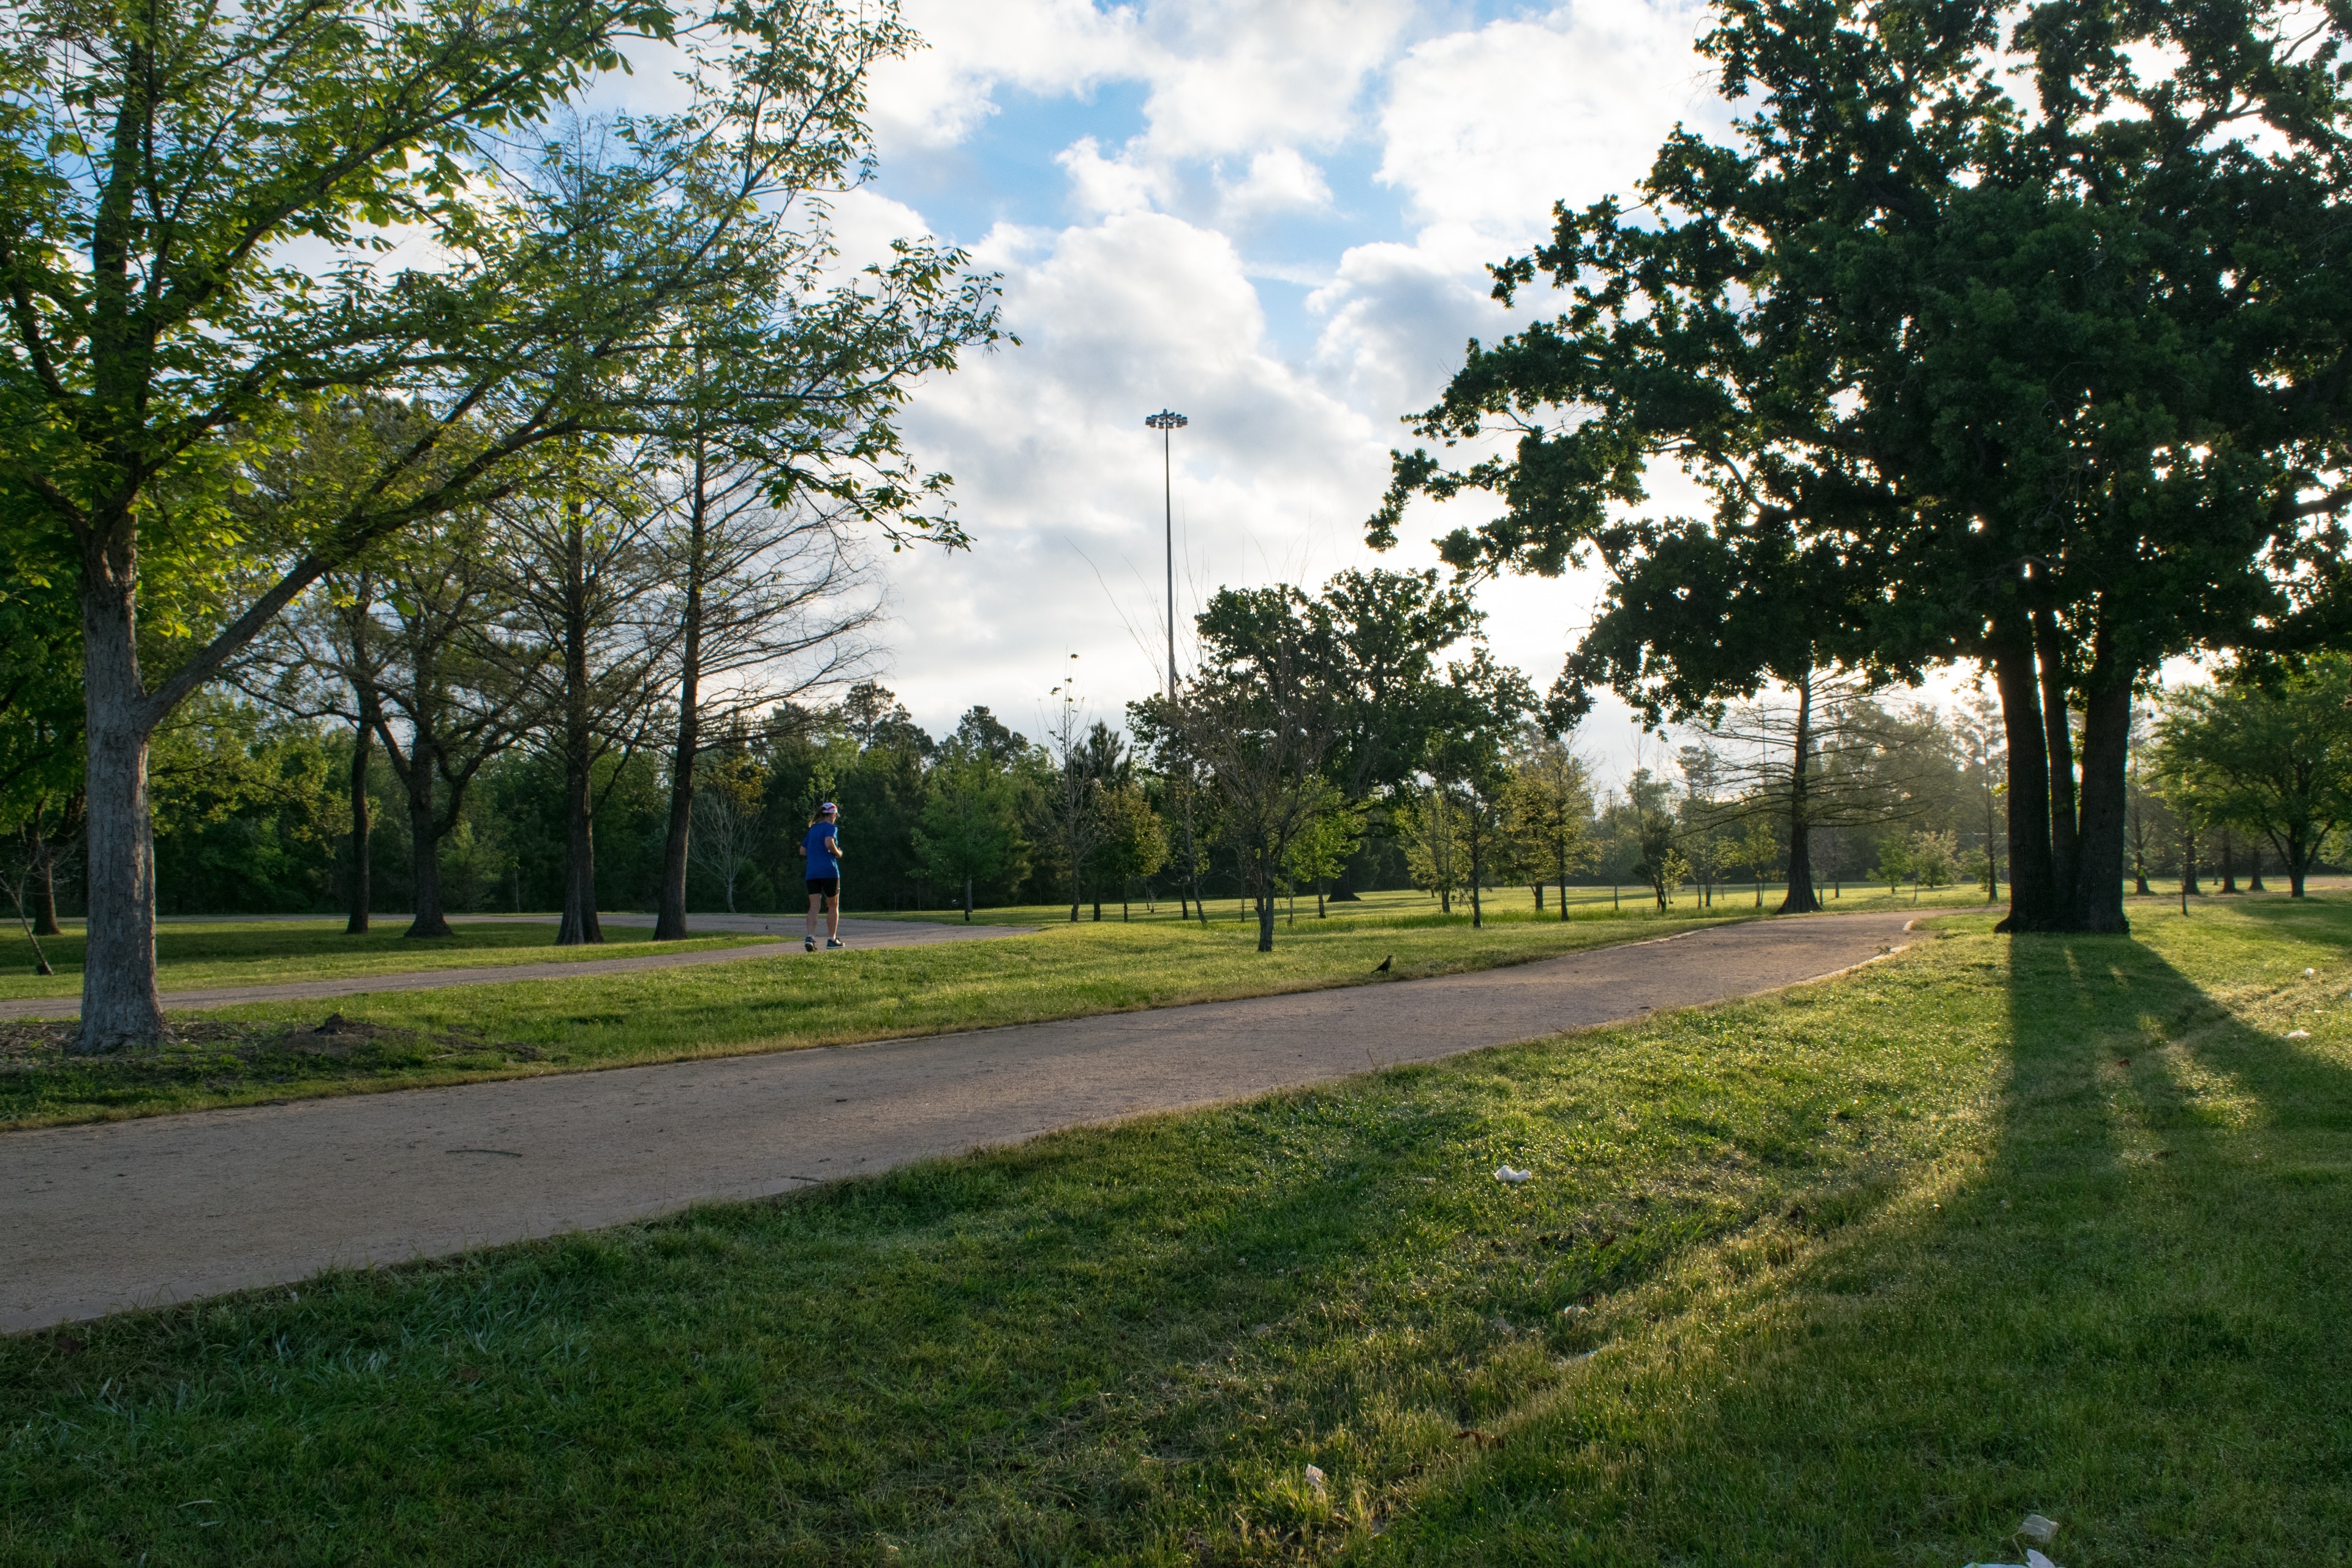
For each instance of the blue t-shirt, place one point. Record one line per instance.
(820, 843)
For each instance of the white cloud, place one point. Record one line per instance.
(1100, 185)
(1146, 300)
(1280, 180)
(1232, 77)
(1484, 130)
(941, 94)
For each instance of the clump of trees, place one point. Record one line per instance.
(2000, 336)
(202, 433)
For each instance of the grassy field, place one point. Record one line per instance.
(1505, 904)
(408, 1038)
(195, 954)
(1856, 1274)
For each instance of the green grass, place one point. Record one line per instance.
(266, 1052)
(1503, 904)
(1866, 1270)
(201, 955)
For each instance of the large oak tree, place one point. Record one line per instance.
(2034, 324)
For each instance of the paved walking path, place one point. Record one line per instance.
(94, 1219)
(856, 933)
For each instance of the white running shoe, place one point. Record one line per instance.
(834, 941)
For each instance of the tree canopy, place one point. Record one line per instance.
(2020, 338)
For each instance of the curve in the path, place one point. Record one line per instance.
(857, 933)
(127, 1214)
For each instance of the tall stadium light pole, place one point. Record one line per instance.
(1168, 422)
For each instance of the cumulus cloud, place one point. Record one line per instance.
(939, 95)
(1483, 130)
(1280, 180)
(1134, 288)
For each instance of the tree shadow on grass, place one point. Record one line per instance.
(2129, 1318)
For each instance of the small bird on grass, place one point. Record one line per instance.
(1383, 969)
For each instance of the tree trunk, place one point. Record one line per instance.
(1800, 899)
(967, 900)
(669, 917)
(2098, 844)
(2298, 858)
(120, 1005)
(2066, 844)
(2255, 871)
(579, 928)
(45, 891)
(1477, 906)
(423, 835)
(2030, 871)
(1265, 918)
(2229, 862)
(358, 924)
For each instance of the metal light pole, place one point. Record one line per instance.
(1168, 422)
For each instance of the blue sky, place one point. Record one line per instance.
(1273, 217)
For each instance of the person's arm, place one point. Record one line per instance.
(832, 847)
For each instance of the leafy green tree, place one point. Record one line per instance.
(1934, 858)
(2119, 278)
(1478, 716)
(1757, 848)
(1431, 823)
(1323, 852)
(970, 831)
(1660, 864)
(161, 168)
(1262, 728)
(2269, 750)
(1551, 811)
(246, 813)
(1894, 862)
(1133, 844)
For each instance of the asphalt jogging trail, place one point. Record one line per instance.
(95, 1219)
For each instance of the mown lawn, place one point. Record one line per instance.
(1503, 904)
(394, 1039)
(1856, 1274)
(197, 954)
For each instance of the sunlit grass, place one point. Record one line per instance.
(1856, 1274)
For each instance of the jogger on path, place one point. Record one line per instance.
(822, 851)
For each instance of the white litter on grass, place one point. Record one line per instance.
(2298, 1034)
(1315, 1479)
(1504, 1173)
(2308, 973)
(2040, 1530)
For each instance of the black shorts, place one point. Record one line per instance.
(829, 886)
